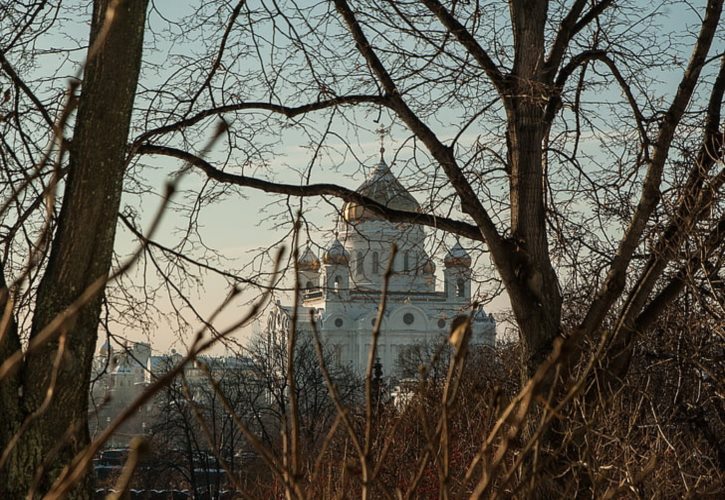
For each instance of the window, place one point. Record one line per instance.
(460, 288)
(359, 263)
(406, 261)
(338, 282)
(309, 285)
(408, 318)
(376, 263)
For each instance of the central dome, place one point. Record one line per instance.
(383, 187)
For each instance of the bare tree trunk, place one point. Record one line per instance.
(535, 298)
(80, 254)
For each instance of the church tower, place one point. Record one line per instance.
(308, 271)
(337, 272)
(457, 275)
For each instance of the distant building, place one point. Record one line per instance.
(342, 289)
(120, 375)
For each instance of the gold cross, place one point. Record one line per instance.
(381, 132)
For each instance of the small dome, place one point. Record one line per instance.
(429, 267)
(308, 261)
(481, 316)
(457, 257)
(336, 254)
(105, 349)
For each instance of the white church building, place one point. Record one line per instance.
(343, 285)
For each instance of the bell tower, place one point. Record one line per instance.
(337, 272)
(457, 275)
(308, 271)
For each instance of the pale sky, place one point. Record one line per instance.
(238, 225)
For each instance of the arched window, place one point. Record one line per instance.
(359, 263)
(309, 285)
(406, 261)
(460, 288)
(336, 285)
(376, 263)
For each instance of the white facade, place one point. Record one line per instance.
(343, 288)
(118, 379)
(121, 377)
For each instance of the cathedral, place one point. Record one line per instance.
(343, 286)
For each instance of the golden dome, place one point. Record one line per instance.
(383, 187)
(457, 257)
(308, 261)
(336, 254)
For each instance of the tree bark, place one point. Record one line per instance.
(80, 254)
(535, 297)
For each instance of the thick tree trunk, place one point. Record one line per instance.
(80, 254)
(535, 298)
